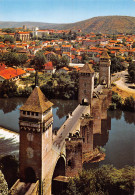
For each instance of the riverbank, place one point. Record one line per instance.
(124, 92)
(122, 85)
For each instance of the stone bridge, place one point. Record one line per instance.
(47, 159)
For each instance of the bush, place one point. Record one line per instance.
(116, 99)
(104, 180)
(8, 89)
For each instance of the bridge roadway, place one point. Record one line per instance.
(70, 125)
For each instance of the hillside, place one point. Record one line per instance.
(101, 24)
(105, 24)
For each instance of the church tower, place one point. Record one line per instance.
(35, 136)
(104, 69)
(86, 84)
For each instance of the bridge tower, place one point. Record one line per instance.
(86, 84)
(35, 137)
(104, 69)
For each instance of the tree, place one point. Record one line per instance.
(117, 100)
(131, 72)
(103, 180)
(1, 39)
(55, 60)
(39, 60)
(116, 64)
(85, 58)
(9, 38)
(8, 89)
(8, 30)
(3, 185)
(22, 58)
(133, 46)
(11, 59)
(64, 61)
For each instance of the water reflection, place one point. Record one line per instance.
(118, 143)
(8, 105)
(100, 139)
(64, 107)
(129, 118)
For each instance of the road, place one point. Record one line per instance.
(121, 80)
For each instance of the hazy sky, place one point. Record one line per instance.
(63, 11)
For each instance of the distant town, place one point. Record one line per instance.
(23, 51)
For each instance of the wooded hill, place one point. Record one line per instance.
(101, 24)
(105, 24)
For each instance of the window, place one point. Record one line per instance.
(28, 112)
(32, 113)
(24, 112)
(36, 113)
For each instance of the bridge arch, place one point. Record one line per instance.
(30, 176)
(103, 80)
(59, 170)
(85, 101)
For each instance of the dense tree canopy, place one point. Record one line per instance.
(117, 65)
(39, 60)
(131, 71)
(9, 38)
(63, 86)
(8, 89)
(14, 59)
(104, 180)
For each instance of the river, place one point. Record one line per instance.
(117, 140)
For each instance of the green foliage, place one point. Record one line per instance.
(106, 180)
(11, 59)
(61, 85)
(22, 58)
(117, 100)
(133, 46)
(39, 60)
(14, 59)
(63, 61)
(8, 30)
(8, 89)
(49, 49)
(131, 71)
(9, 38)
(24, 92)
(129, 104)
(116, 65)
(1, 39)
(85, 58)
(3, 185)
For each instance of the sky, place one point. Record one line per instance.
(63, 11)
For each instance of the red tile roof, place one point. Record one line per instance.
(48, 64)
(11, 73)
(2, 66)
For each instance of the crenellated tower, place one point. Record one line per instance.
(35, 136)
(86, 84)
(104, 69)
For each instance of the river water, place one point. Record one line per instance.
(117, 140)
